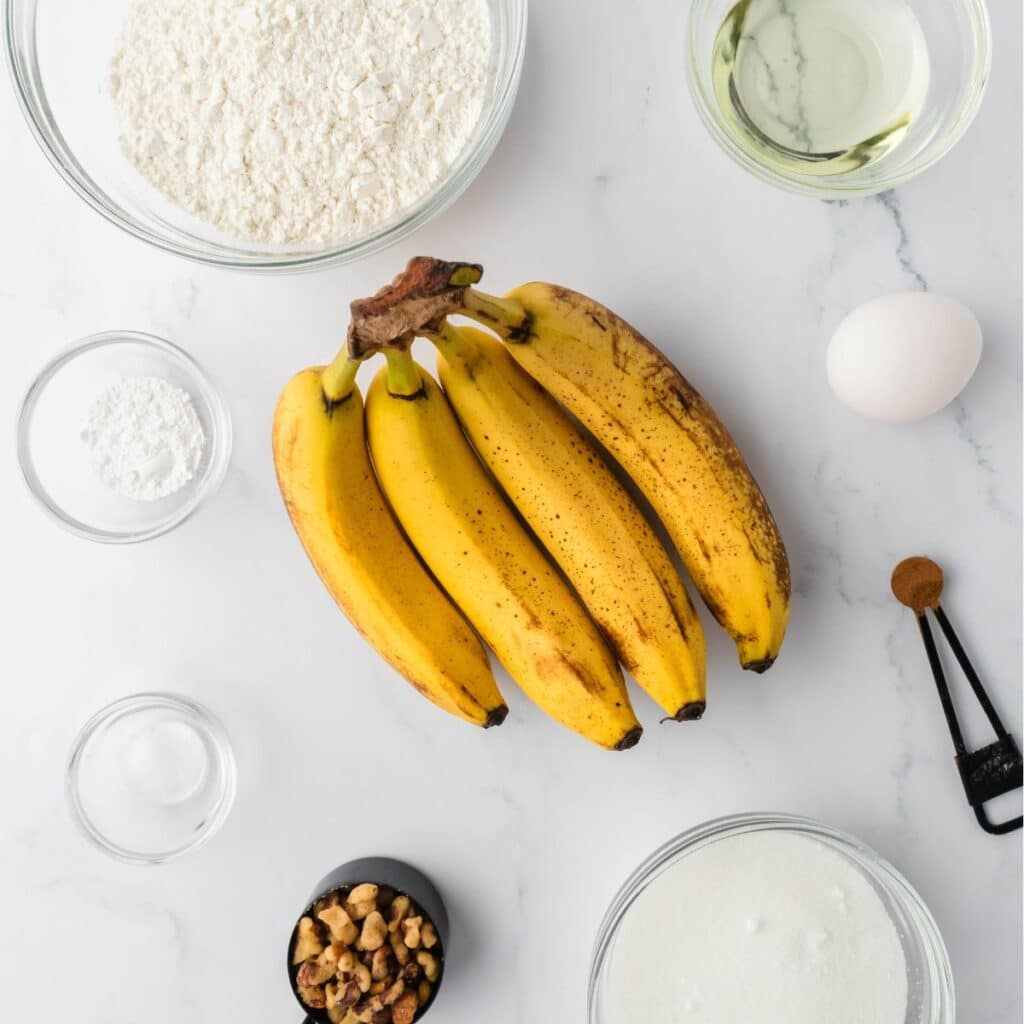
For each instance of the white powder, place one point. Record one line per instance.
(772, 928)
(166, 762)
(145, 438)
(299, 121)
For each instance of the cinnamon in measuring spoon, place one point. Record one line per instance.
(917, 582)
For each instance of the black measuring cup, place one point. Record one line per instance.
(406, 881)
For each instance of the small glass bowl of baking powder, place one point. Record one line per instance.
(122, 437)
(150, 778)
(60, 54)
(697, 860)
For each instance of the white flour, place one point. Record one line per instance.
(299, 121)
(145, 438)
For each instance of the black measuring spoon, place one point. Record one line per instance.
(992, 770)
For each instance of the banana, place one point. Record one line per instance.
(581, 513)
(668, 439)
(480, 553)
(355, 545)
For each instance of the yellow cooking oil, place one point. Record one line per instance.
(820, 87)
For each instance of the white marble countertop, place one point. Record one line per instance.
(605, 181)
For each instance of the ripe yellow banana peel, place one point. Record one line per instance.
(643, 411)
(582, 515)
(470, 538)
(355, 545)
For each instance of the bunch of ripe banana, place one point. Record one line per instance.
(408, 509)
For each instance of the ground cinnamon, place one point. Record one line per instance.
(917, 583)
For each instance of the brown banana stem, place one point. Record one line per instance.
(421, 296)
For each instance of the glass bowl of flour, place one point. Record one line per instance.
(273, 135)
(122, 437)
(768, 917)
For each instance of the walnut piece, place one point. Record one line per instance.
(307, 942)
(400, 907)
(400, 949)
(428, 936)
(404, 1009)
(393, 993)
(314, 996)
(316, 972)
(380, 965)
(339, 924)
(430, 965)
(411, 931)
(374, 932)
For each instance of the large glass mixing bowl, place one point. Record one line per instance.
(929, 976)
(59, 52)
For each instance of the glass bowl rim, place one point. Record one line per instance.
(460, 176)
(826, 188)
(207, 487)
(212, 728)
(877, 867)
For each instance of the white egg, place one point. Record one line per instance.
(903, 357)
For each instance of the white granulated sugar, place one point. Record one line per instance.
(299, 122)
(145, 438)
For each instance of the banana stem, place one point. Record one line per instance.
(450, 341)
(339, 379)
(404, 380)
(505, 316)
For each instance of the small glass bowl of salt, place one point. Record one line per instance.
(122, 437)
(150, 778)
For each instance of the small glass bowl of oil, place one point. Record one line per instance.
(838, 98)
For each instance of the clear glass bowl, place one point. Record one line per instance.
(930, 978)
(57, 466)
(959, 41)
(59, 53)
(120, 785)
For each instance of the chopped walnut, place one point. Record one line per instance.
(364, 957)
(313, 996)
(411, 931)
(397, 912)
(339, 924)
(393, 993)
(428, 936)
(307, 942)
(316, 972)
(405, 1008)
(400, 949)
(380, 965)
(374, 932)
(431, 968)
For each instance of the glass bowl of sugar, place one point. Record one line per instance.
(267, 135)
(150, 777)
(122, 437)
(769, 917)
